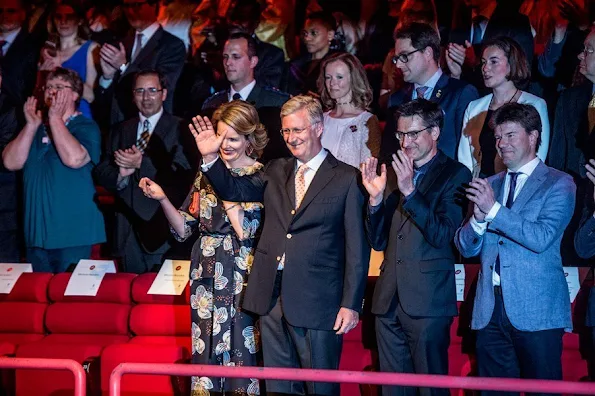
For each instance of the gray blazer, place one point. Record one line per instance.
(527, 238)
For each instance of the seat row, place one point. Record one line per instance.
(123, 323)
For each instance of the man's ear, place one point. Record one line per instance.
(253, 61)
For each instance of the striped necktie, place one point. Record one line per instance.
(143, 140)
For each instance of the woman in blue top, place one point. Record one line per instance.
(56, 150)
(73, 50)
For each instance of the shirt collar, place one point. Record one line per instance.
(153, 120)
(149, 31)
(10, 37)
(244, 92)
(528, 168)
(424, 167)
(315, 162)
(431, 83)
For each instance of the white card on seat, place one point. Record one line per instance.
(574, 284)
(172, 278)
(460, 281)
(87, 277)
(9, 275)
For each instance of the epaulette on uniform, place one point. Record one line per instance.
(275, 90)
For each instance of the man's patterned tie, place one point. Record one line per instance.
(143, 140)
(300, 191)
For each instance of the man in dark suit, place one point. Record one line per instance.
(573, 140)
(481, 20)
(310, 266)
(584, 242)
(9, 224)
(417, 52)
(521, 307)
(414, 222)
(18, 53)
(148, 145)
(239, 62)
(150, 47)
(271, 60)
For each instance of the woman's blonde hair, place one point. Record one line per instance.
(361, 92)
(243, 118)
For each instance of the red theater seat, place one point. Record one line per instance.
(80, 328)
(161, 328)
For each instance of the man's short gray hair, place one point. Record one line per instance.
(312, 106)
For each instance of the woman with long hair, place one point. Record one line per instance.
(351, 132)
(70, 48)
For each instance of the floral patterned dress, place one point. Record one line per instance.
(222, 333)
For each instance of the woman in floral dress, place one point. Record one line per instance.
(222, 333)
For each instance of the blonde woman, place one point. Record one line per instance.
(351, 133)
(222, 333)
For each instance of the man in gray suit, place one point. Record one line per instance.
(521, 306)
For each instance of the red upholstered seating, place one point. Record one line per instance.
(80, 328)
(161, 327)
(25, 306)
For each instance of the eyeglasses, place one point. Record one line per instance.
(55, 87)
(404, 58)
(296, 131)
(135, 4)
(411, 135)
(152, 92)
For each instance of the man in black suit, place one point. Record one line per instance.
(271, 60)
(310, 266)
(414, 221)
(417, 52)
(573, 140)
(150, 47)
(239, 62)
(479, 21)
(18, 53)
(148, 145)
(9, 224)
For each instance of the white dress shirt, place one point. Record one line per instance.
(244, 92)
(480, 228)
(153, 120)
(431, 83)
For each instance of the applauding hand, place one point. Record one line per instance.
(403, 166)
(207, 141)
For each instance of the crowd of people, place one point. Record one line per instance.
(275, 143)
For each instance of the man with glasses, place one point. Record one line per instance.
(19, 52)
(417, 53)
(521, 307)
(413, 219)
(148, 145)
(311, 264)
(148, 47)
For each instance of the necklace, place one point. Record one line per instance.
(509, 100)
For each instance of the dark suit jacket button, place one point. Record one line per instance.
(400, 237)
(501, 243)
(491, 267)
(399, 261)
(475, 240)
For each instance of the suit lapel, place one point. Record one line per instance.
(408, 94)
(128, 43)
(254, 95)
(129, 138)
(290, 181)
(531, 185)
(322, 177)
(498, 186)
(148, 49)
(439, 88)
(162, 128)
